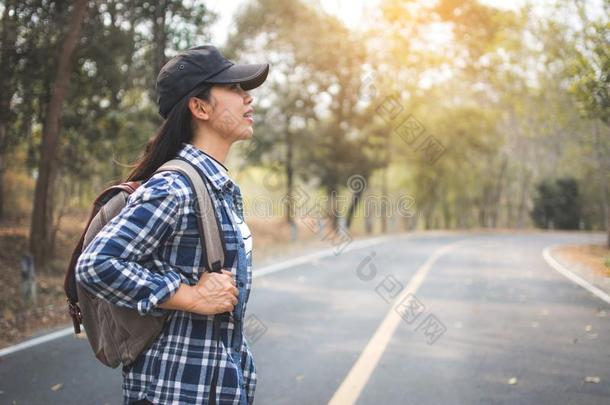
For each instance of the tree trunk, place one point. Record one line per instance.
(2, 193)
(510, 220)
(333, 209)
(460, 209)
(40, 230)
(8, 37)
(384, 186)
(446, 213)
(482, 207)
(384, 193)
(498, 193)
(523, 198)
(356, 197)
(290, 202)
(428, 212)
(159, 34)
(368, 218)
(602, 153)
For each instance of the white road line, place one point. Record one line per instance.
(353, 384)
(263, 271)
(36, 341)
(546, 254)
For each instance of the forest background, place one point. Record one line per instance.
(444, 114)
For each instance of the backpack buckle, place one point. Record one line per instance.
(76, 315)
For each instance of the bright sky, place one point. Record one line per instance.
(351, 12)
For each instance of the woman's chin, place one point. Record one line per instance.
(247, 133)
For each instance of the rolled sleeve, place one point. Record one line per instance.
(167, 286)
(111, 267)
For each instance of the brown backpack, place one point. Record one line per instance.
(117, 334)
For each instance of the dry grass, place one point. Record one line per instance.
(19, 319)
(271, 238)
(595, 257)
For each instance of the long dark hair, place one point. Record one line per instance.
(175, 130)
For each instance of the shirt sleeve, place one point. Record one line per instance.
(110, 268)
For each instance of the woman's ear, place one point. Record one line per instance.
(200, 108)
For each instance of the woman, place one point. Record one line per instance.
(149, 257)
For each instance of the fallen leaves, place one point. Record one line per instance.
(8, 315)
(591, 257)
(56, 387)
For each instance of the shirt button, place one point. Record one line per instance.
(240, 283)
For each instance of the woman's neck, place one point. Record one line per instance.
(212, 145)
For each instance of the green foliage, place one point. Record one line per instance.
(557, 204)
(320, 57)
(108, 115)
(512, 97)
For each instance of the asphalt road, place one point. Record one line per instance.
(489, 322)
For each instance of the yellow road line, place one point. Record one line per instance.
(353, 384)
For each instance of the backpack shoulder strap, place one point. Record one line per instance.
(212, 239)
(213, 243)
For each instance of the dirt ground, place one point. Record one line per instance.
(595, 257)
(18, 321)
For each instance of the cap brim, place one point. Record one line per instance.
(249, 76)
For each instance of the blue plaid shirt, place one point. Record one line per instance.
(139, 259)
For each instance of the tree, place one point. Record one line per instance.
(589, 70)
(557, 204)
(319, 143)
(8, 38)
(40, 231)
(120, 45)
(568, 204)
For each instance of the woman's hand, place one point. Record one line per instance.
(215, 293)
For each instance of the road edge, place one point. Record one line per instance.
(561, 269)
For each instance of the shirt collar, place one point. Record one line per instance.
(215, 171)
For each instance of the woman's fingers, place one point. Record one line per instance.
(230, 305)
(230, 275)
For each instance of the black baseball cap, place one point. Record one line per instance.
(203, 64)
